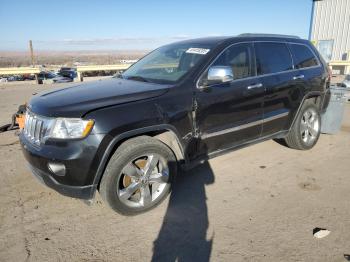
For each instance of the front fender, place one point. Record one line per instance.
(109, 144)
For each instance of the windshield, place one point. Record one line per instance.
(167, 64)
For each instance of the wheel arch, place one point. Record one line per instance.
(167, 134)
(315, 96)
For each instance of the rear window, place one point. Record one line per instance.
(302, 56)
(272, 58)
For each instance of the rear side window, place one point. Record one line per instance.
(302, 56)
(272, 58)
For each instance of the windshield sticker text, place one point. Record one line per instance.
(199, 51)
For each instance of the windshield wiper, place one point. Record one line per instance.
(137, 78)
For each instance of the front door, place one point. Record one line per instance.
(230, 113)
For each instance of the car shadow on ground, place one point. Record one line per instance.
(183, 235)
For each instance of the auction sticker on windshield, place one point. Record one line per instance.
(199, 51)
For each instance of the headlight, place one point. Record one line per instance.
(70, 128)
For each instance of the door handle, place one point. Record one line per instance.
(298, 77)
(254, 86)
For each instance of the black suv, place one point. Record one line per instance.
(179, 105)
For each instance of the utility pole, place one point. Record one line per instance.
(31, 52)
(32, 57)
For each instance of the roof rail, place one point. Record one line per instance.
(267, 35)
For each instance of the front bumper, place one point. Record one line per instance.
(81, 159)
(82, 192)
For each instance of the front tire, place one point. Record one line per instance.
(306, 129)
(138, 176)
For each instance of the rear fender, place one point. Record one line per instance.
(318, 98)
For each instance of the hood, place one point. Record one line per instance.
(75, 101)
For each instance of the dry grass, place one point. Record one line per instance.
(67, 58)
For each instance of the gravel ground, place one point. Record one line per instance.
(260, 203)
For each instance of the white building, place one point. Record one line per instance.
(330, 32)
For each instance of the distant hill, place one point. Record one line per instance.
(68, 58)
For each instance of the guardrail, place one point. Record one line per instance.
(19, 70)
(89, 68)
(102, 67)
(37, 70)
(339, 63)
(116, 67)
(346, 65)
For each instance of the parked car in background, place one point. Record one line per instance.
(62, 69)
(44, 75)
(61, 77)
(176, 107)
(346, 82)
(28, 77)
(65, 76)
(15, 78)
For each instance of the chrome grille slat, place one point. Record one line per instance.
(30, 126)
(34, 128)
(29, 123)
(38, 131)
(26, 124)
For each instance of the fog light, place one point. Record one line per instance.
(57, 168)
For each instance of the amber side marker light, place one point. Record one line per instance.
(88, 128)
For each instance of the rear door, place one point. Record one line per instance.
(276, 71)
(230, 113)
(310, 76)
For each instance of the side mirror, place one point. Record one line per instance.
(220, 74)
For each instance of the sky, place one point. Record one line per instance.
(130, 25)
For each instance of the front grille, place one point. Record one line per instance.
(34, 128)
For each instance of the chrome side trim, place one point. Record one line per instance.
(255, 86)
(232, 129)
(271, 118)
(237, 128)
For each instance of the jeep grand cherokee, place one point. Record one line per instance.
(180, 104)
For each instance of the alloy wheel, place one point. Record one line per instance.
(143, 180)
(309, 126)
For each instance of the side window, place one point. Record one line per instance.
(302, 56)
(272, 58)
(239, 58)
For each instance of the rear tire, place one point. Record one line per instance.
(139, 176)
(306, 129)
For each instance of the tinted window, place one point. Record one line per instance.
(272, 58)
(302, 56)
(239, 58)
